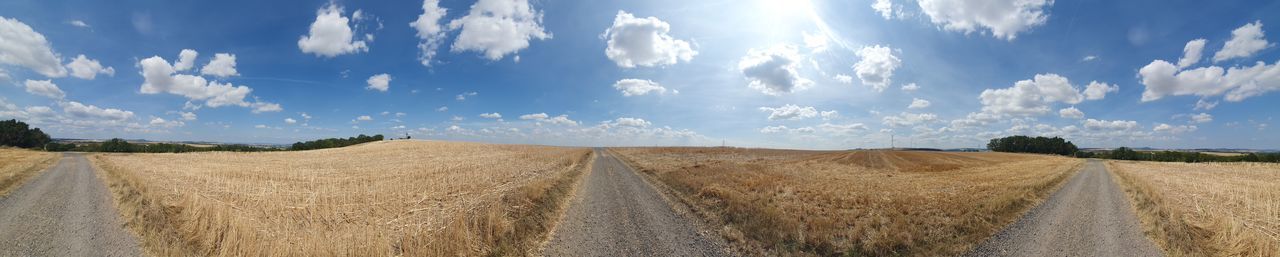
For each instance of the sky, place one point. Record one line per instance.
(756, 73)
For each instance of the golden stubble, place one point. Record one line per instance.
(409, 198)
(799, 203)
(19, 165)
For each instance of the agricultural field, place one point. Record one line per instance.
(390, 198)
(784, 202)
(1206, 209)
(18, 165)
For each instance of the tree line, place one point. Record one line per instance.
(17, 134)
(1059, 146)
(334, 142)
(1025, 144)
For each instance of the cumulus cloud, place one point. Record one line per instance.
(1071, 113)
(1171, 129)
(331, 34)
(491, 115)
(1205, 105)
(876, 67)
(1098, 91)
(463, 96)
(773, 70)
(1191, 53)
(1034, 96)
(845, 79)
(78, 110)
(430, 30)
(1114, 125)
(645, 42)
(380, 82)
(497, 28)
(78, 23)
(187, 116)
(186, 60)
(1162, 79)
(790, 112)
(534, 116)
(887, 9)
(159, 77)
(1004, 19)
(907, 119)
(636, 87)
(631, 122)
(364, 118)
(917, 103)
(290, 121)
(23, 46)
(162, 123)
(910, 87)
(1245, 41)
(85, 68)
(543, 117)
(222, 65)
(44, 88)
(1201, 118)
(829, 115)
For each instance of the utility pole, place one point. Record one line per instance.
(891, 142)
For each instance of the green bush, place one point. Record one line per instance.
(17, 134)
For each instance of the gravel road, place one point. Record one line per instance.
(617, 213)
(1089, 216)
(66, 211)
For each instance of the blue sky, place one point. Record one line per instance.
(765, 73)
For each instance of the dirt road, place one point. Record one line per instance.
(1089, 216)
(66, 211)
(617, 213)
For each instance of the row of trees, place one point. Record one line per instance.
(1025, 144)
(116, 145)
(1125, 153)
(334, 142)
(17, 134)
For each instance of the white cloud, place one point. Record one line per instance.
(23, 46)
(910, 87)
(876, 67)
(1098, 91)
(222, 65)
(535, 116)
(790, 112)
(631, 122)
(1089, 58)
(644, 42)
(1201, 118)
(884, 7)
(442, 109)
(1030, 97)
(774, 70)
(1179, 129)
(498, 27)
(491, 115)
(1245, 41)
(187, 116)
(162, 123)
(1238, 83)
(1191, 53)
(430, 30)
(463, 96)
(907, 119)
(159, 77)
(379, 82)
(829, 115)
(331, 34)
(85, 68)
(78, 110)
(290, 121)
(1114, 125)
(44, 88)
(917, 103)
(186, 60)
(1071, 113)
(1205, 105)
(78, 23)
(260, 126)
(842, 129)
(364, 118)
(846, 79)
(1004, 19)
(637, 87)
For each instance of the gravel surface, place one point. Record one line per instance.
(617, 213)
(66, 211)
(1089, 216)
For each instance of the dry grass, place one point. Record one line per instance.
(19, 165)
(1206, 209)
(376, 199)
(779, 202)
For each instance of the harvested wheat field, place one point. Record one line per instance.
(1207, 209)
(18, 165)
(780, 202)
(410, 198)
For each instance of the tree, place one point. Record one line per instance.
(19, 134)
(1025, 144)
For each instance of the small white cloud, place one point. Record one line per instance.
(78, 23)
(1191, 53)
(844, 79)
(1245, 41)
(637, 87)
(534, 116)
(491, 115)
(910, 87)
(290, 121)
(187, 116)
(790, 112)
(631, 122)
(260, 126)
(44, 88)
(1071, 113)
(364, 118)
(1004, 19)
(1205, 105)
(222, 65)
(1089, 58)
(918, 103)
(830, 115)
(907, 119)
(1179, 129)
(1098, 91)
(463, 96)
(85, 68)
(331, 34)
(186, 60)
(442, 109)
(876, 67)
(498, 28)
(644, 42)
(78, 110)
(430, 30)
(1201, 118)
(380, 82)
